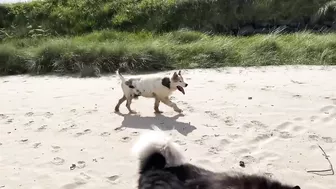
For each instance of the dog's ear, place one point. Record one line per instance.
(175, 76)
(179, 72)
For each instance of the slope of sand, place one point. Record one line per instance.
(270, 118)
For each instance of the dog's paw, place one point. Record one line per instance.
(132, 112)
(158, 112)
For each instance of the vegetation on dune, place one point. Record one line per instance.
(145, 51)
(72, 36)
(73, 17)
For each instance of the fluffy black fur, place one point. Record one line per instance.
(155, 175)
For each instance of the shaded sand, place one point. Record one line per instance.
(63, 133)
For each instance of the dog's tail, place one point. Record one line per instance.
(155, 150)
(120, 76)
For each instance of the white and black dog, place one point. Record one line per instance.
(162, 166)
(159, 88)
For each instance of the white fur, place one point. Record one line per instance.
(158, 141)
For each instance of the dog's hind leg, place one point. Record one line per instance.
(156, 104)
(121, 100)
(128, 105)
(169, 103)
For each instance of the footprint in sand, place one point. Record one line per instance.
(80, 180)
(73, 111)
(247, 126)
(73, 126)
(81, 164)
(29, 123)
(55, 149)
(42, 128)
(230, 86)
(181, 143)
(3, 116)
(105, 134)
(199, 142)
(86, 131)
(29, 114)
(37, 145)
(118, 129)
(58, 161)
(214, 150)
(261, 138)
(126, 139)
(23, 141)
(229, 121)
(258, 124)
(329, 118)
(288, 130)
(285, 135)
(9, 121)
(267, 88)
(297, 96)
(135, 133)
(113, 179)
(212, 114)
(48, 114)
(188, 107)
(327, 139)
(91, 111)
(85, 176)
(313, 118)
(205, 137)
(313, 137)
(224, 142)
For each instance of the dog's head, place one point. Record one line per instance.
(178, 82)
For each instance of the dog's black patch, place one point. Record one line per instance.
(166, 82)
(130, 83)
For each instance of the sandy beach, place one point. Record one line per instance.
(62, 132)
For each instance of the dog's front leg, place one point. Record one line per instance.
(171, 104)
(121, 100)
(128, 105)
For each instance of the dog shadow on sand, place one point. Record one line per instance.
(161, 121)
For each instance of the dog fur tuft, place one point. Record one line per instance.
(156, 150)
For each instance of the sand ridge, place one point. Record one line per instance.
(59, 132)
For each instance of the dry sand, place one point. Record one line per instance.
(50, 123)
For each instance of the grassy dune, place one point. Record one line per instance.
(145, 51)
(64, 36)
(74, 17)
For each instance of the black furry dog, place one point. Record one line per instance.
(162, 166)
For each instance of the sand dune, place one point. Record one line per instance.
(58, 132)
